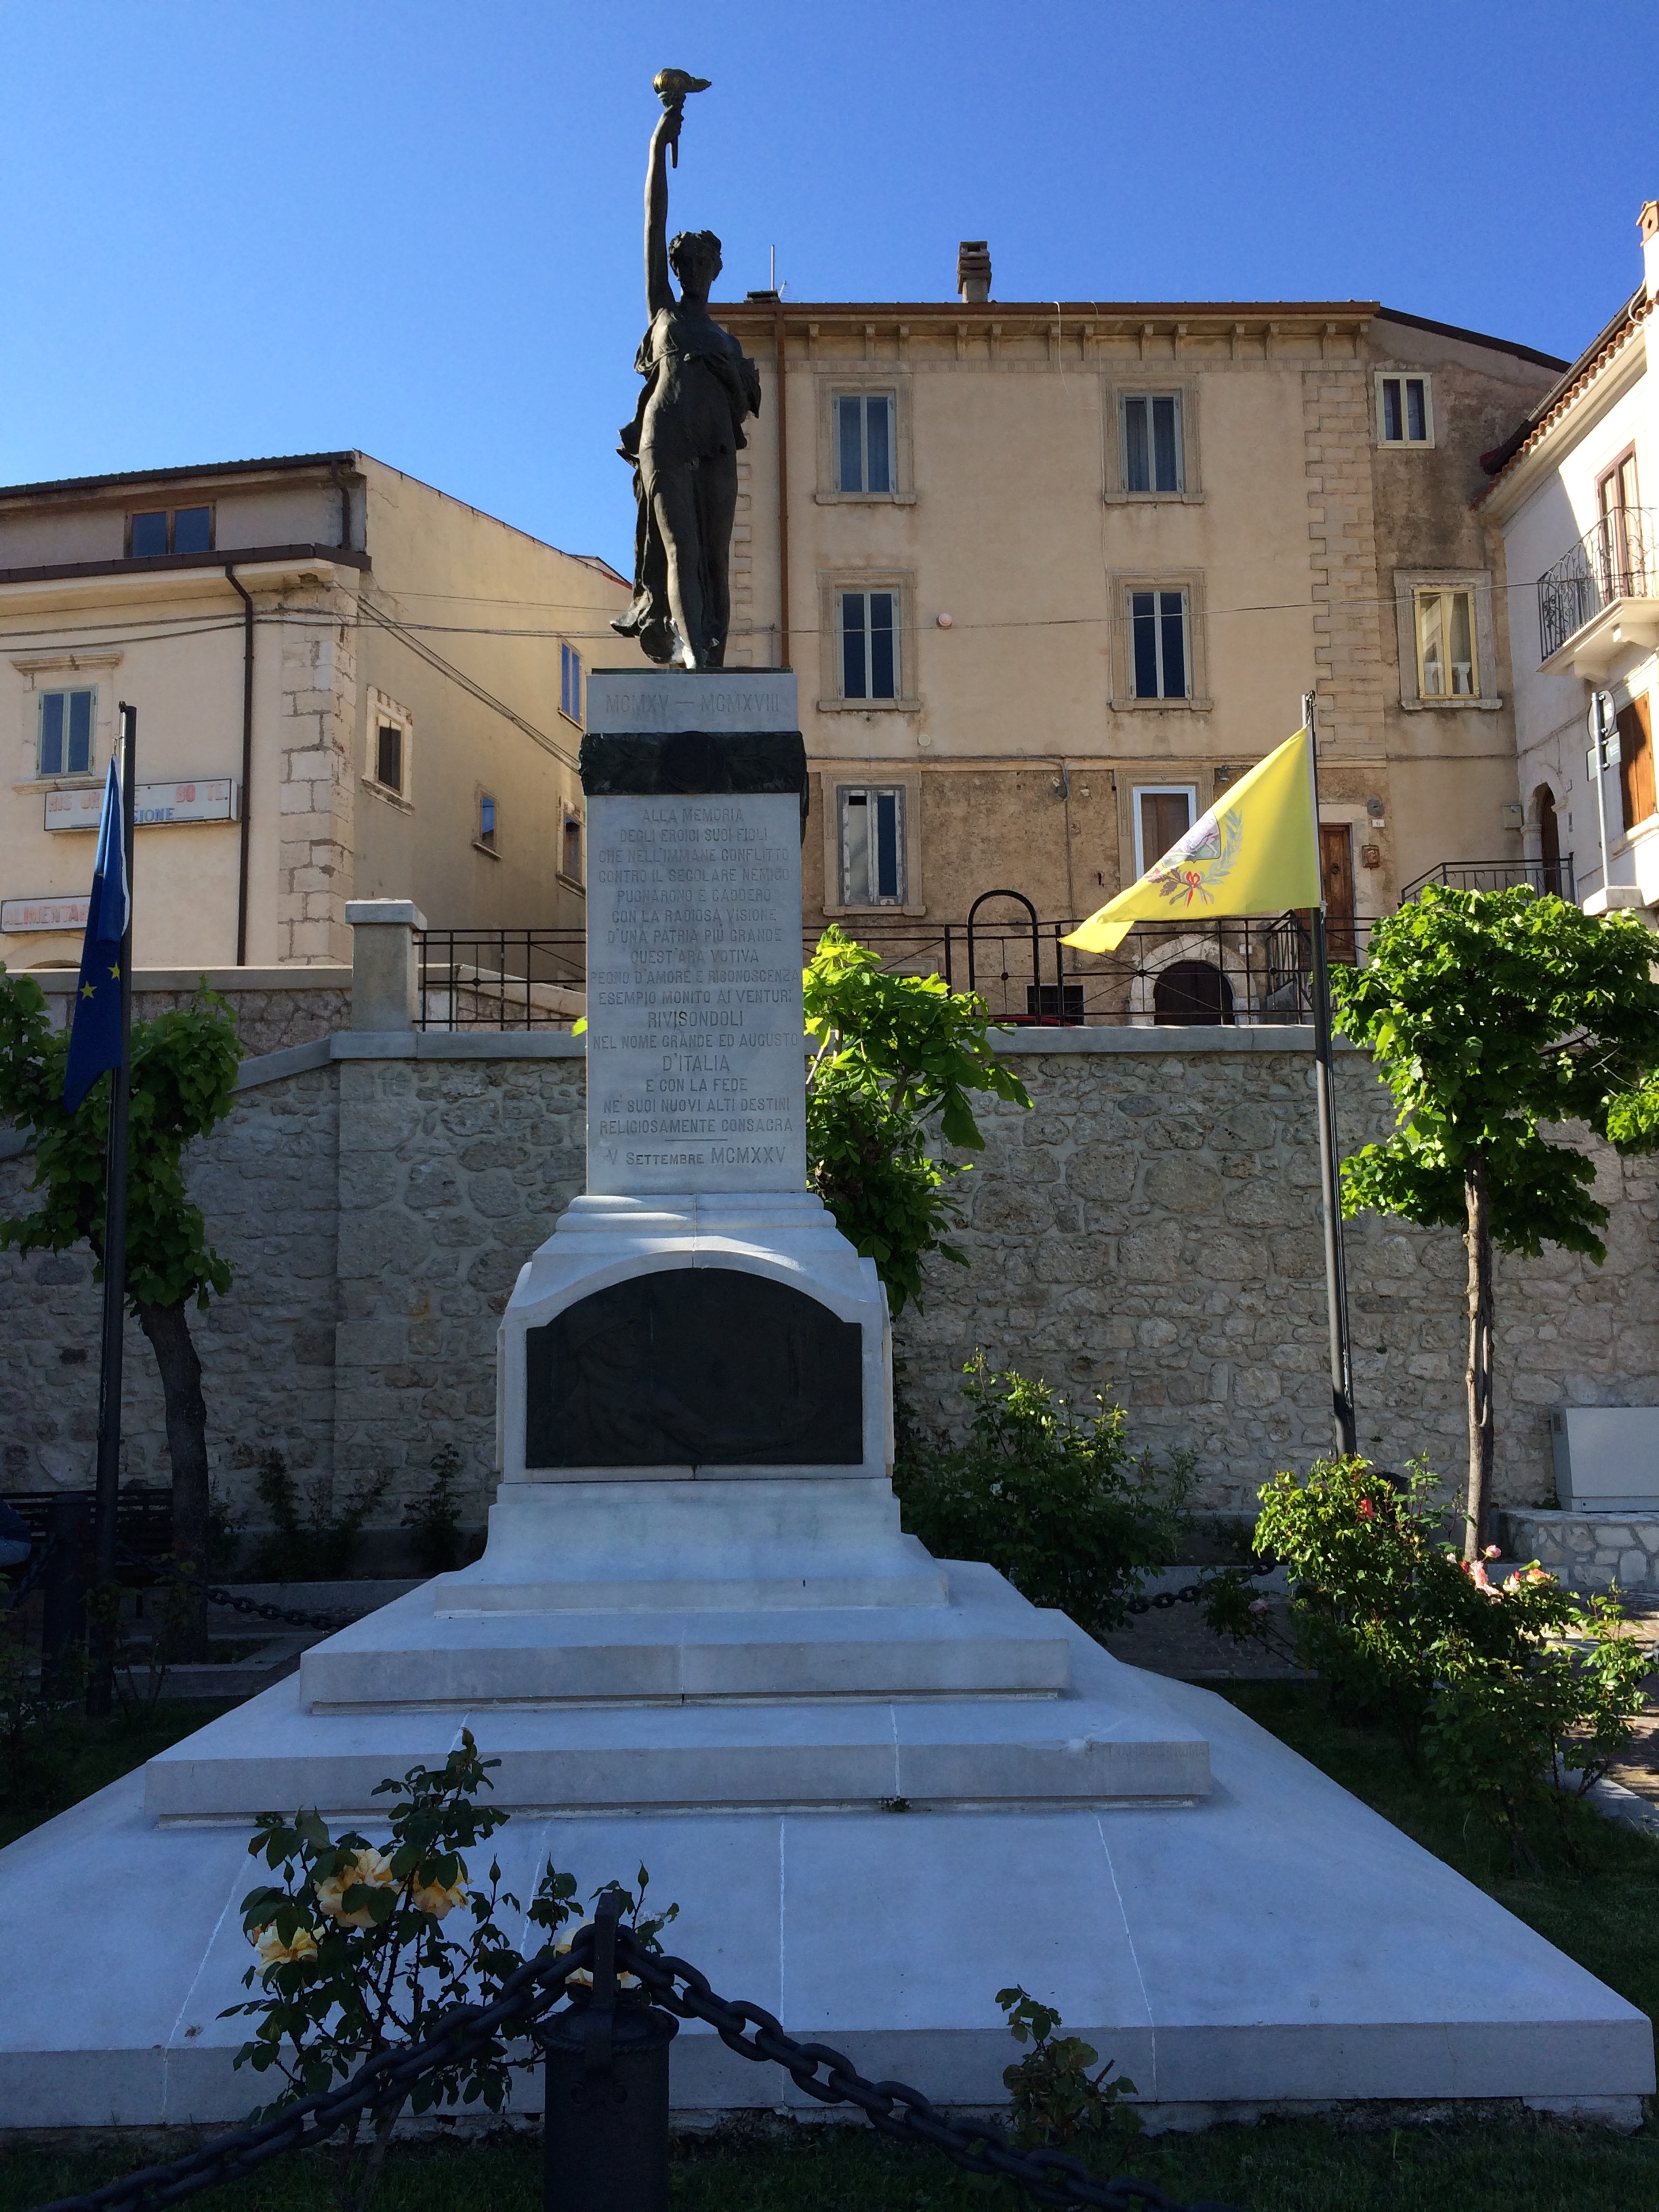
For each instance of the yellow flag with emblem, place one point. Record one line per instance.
(1254, 852)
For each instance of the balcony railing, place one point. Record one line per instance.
(1555, 876)
(1176, 973)
(1617, 560)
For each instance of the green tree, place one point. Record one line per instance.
(183, 1077)
(1490, 1014)
(897, 1056)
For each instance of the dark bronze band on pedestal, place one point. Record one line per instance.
(690, 764)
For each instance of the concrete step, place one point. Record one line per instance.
(988, 1640)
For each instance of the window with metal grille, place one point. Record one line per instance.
(389, 756)
(864, 442)
(1448, 667)
(871, 845)
(163, 529)
(570, 682)
(868, 621)
(1152, 459)
(570, 850)
(1405, 410)
(66, 723)
(1157, 631)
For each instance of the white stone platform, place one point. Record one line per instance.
(1273, 1941)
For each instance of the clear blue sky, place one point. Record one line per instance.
(243, 227)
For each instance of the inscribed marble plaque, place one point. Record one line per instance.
(696, 1075)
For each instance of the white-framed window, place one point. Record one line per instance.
(389, 756)
(570, 682)
(1163, 813)
(154, 531)
(1447, 651)
(389, 751)
(1159, 648)
(64, 733)
(866, 457)
(1404, 408)
(867, 630)
(1152, 460)
(570, 849)
(872, 824)
(486, 822)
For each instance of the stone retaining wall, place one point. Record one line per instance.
(1150, 1232)
(1589, 1551)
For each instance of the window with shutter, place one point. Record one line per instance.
(1152, 457)
(65, 733)
(871, 845)
(1636, 783)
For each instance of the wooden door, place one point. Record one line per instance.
(1549, 839)
(1636, 761)
(1336, 881)
(1165, 816)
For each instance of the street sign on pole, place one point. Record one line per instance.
(1603, 753)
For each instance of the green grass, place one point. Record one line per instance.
(79, 1756)
(1595, 1894)
(1486, 2165)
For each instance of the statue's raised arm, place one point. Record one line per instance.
(688, 429)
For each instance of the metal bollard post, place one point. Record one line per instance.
(605, 2120)
(64, 1590)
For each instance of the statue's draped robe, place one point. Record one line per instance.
(699, 386)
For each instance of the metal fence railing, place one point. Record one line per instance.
(1619, 559)
(1189, 972)
(1556, 876)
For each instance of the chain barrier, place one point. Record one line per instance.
(892, 2108)
(895, 2110)
(1193, 1592)
(252, 1608)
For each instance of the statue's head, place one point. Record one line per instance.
(695, 258)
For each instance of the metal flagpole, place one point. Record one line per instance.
(100, 1689)
(1336, 1277)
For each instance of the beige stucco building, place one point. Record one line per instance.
(1582, 549)
(348, 685)
(1052, 573)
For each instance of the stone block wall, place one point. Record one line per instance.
(273, 1007)
(1150, 1231)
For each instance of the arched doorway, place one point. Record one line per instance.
(1190, 993)
(1549, 838)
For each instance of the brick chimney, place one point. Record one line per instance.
(974, 271)
(1649, 219)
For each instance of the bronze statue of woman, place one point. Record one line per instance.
(687, 430)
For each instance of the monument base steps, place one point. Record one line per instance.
(1272, 1942)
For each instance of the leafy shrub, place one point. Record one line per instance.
(353, 1957)
(1510, 1694)
(310, 1541)
(433, 1518)
(897, 1056)
(1053, 2096)
(1053, 1500)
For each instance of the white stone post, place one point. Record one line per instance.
(385, 973)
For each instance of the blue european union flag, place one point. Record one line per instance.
(95, 1040)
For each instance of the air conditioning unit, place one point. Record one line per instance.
(1606, 1458)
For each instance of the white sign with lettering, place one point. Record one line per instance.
(17, 914)
(696, 1075)
(204, 799)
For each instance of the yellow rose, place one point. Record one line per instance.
(372, 1870)
(432, 1897)
(273, 1951)
(582, 1978)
